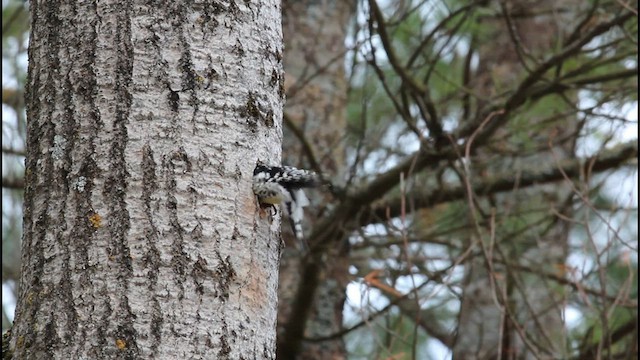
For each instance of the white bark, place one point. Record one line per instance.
(142, 235)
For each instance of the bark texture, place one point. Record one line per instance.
(142, 237)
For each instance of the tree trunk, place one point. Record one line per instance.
(142, 237)
(504, 314)
(314, 34)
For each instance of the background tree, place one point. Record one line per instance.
(141, 235)
(486, 204)
(15, 24)
(527, 303)
(315, 119)
(516, 91)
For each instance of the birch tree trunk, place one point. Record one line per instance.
(142, 237)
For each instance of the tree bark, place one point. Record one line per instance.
(314, 34)
(142, 237)
(504, 314)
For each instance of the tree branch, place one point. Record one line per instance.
(13, 183)
(628, 328)
(12, 151)
(609, 159)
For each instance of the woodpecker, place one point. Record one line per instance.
(284, 185)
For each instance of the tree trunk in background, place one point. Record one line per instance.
(142, 237)
(503, 314)
(314, 34)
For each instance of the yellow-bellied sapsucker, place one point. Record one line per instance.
(283, 185)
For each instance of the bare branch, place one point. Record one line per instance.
(13, 183)
(12, 151)
(607, 160)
